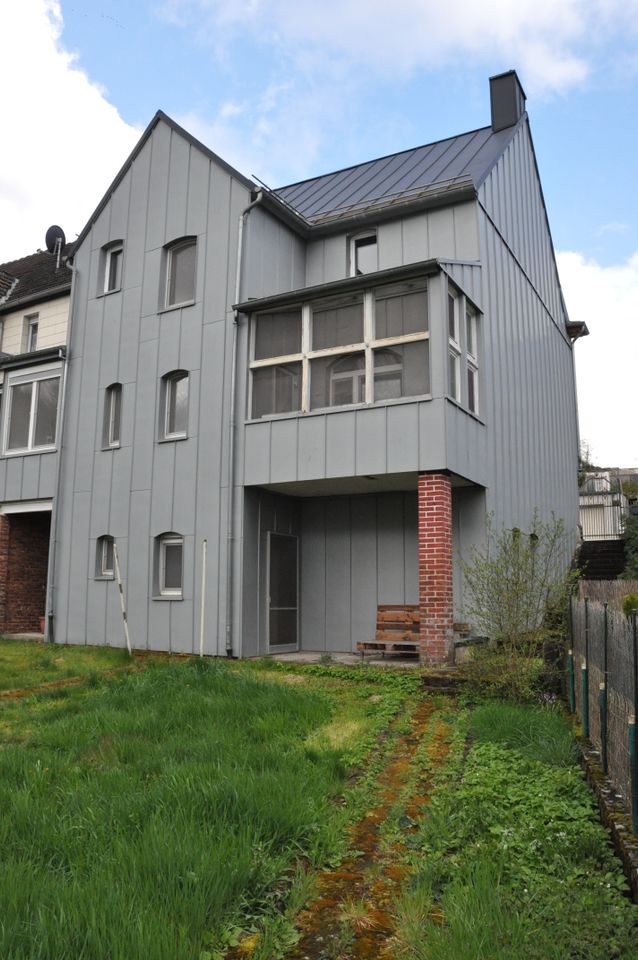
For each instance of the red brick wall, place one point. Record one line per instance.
(24, 560)
(435, 568)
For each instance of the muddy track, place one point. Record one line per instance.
(351, 917)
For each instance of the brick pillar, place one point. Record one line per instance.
(435, 568)
(4, 570)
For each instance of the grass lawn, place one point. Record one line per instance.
(27, 663)
(145, 815)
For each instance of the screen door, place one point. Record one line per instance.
(283, 613)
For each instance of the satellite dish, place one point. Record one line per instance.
(55, 239)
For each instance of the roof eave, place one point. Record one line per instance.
(32, 299)
(348, 285)
(32, 359)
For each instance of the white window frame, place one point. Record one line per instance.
(34, 378)
(169, 384)
(454, 344)
(112, 395)
(367, 346)
(173, 540)
(115, 249)
(104, 571)
(31, 324)
(367, 238)
(472, 351)
(170, 254)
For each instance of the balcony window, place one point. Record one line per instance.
(362, 348)
(32, 414)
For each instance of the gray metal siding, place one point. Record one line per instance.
(146, 488)
(356, 552)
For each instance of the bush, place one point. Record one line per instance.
(630, 536)
(629, 603)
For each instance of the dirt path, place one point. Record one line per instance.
(351, 917)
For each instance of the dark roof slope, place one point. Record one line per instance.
(33, 278)
(467, 158)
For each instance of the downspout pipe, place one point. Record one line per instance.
(230, 539)
(53, 536)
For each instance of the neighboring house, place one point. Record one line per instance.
(288, 407)
(603, 506)
(34, 310)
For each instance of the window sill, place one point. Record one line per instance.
(29, 453)
(168, 596)
(108, 577)
(110, 446)
(175, 306)
(107, 293)
(173, 439)
(319, 412)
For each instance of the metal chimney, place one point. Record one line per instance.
(507, 100)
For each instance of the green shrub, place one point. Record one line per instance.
(630, 537)
(629, 603)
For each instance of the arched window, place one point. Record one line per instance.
(105, 558)
(174, 405)
(111, 427)
(168, 566)
(181, 258)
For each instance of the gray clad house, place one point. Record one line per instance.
(288, 407)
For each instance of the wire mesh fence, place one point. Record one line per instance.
(604, 668)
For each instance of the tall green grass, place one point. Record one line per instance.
(140, 815)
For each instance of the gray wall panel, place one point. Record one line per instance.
(159, 188)
(31, 486)
(313, 575)
(340, 444)
(370, 450)
(338, 565)
(363, 573)
(403, 431)
(178, 173)
(283, 449)
(312, 447)
(391, 554)
(15, 470)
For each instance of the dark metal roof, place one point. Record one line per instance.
(33, 278)
(467, 158)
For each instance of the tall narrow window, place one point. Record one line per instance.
(363, 254)
(175, 405)
(454, 351)
(30, 342)
(180, 272)
(471, 348)
(113, 267)
(105, 558)
(111, 430)
(168, 565)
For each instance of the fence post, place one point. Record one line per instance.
(585, 673)
(602, 697)
(633, 756)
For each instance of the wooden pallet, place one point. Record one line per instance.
(397, 630)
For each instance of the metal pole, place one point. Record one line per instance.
(633, 761)
(571, 682)
(118, 574)
(202, 608)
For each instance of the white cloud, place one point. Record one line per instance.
(606, 298)
(63, 140)
(548, 42)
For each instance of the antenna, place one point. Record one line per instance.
(55, 241)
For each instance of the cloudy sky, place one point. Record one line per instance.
(285, 89)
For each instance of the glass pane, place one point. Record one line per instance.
(172, 565)
(181, 281)
(276, 389)
(454, 375)
(472, 392)
(177, 402)
(335, 381)
(469, 324)
(46, 412)
(33, 336)
(365, 255)
(403, 371)
(451, 317)
(20, 416)
(108, 562)
(277, 334)
(114, 270)
(399, 312)
(116, 409)
(283, 571)
(283, 628)
(337, 325)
